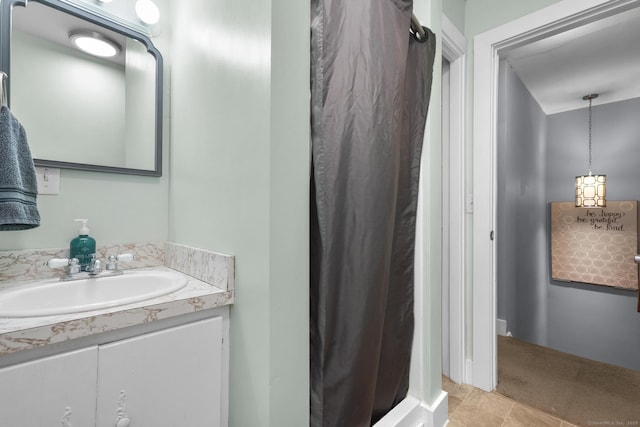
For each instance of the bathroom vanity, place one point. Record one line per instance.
(172, 377)
(160, 362)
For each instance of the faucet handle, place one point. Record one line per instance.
(72, 264)
(57, 262)
(125, 257)
(112, 260)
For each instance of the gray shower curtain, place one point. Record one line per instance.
(371, 83)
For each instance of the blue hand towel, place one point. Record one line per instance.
(18, 185)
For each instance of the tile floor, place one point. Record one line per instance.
(472, 407)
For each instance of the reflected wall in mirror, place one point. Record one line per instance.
(82, 111)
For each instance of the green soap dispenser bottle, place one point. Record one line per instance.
(83, 247)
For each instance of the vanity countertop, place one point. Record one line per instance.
(18, 334)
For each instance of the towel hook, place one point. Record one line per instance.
(3, 88)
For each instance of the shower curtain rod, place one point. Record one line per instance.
(415, 24)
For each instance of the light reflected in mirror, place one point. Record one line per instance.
(79, 110)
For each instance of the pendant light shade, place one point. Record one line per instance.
(591, 190)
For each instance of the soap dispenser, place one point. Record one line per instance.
(83, 247)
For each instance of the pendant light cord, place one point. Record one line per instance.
(590, 100)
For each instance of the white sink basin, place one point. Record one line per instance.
(52, 297)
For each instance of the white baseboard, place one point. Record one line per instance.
(501, 327)
(411, 412)
(439, 411)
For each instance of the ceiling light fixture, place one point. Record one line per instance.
(94, 44)
(591, 190)
(147, 11)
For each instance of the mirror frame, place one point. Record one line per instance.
(6, 7)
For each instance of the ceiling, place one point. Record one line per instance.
(601, 57)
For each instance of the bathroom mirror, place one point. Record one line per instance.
(82, 111)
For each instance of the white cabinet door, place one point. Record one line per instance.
(53, 391)
(170, 378)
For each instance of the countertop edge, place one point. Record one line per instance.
(19, 334)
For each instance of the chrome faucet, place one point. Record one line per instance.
(73, 269)
(95, 266)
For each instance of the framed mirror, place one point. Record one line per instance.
(82, 111)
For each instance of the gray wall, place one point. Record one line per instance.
(538, 159)
(590, 320)
(521, 239)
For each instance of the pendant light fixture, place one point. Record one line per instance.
(591, 189)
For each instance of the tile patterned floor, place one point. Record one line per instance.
(472, 407)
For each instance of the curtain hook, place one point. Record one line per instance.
(419, 32)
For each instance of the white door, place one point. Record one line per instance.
(54, 391)
(170, 378)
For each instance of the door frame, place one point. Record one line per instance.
(454, 259)
(557, 18)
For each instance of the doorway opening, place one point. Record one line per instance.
(559, 18)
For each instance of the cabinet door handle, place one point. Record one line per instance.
(123, 422)
(123, 418)
(66, 419)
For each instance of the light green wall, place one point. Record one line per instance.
(120, 208)
(289, 213)
(429, 13)
(240, 185)
(482, 15)
(455, 10)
